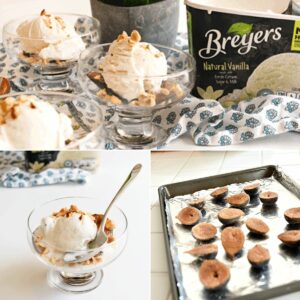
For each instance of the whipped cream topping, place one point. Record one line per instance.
(50, 37)
(29, 123)
(128, 62)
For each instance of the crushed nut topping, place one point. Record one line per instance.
(135, 36)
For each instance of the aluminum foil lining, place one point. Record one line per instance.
(283, 268)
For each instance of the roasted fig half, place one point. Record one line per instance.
(220, 193)
(213, 274)
(189, 216)
(257, 226)
(290, 238)
(228, 216)
(208, 251)
(268, 198)
(252, 189)
(292, 215)
(232, 240)
(258, 256)
(238, 200)
(197, 203)
(204, 231)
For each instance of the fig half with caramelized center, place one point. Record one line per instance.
(268, 198)
(213, 274)
(189, 216)
(208, 251)
(292, 215)
(252, 189)
(238, 200)
(290, 238)
(228, 216)
(258, 256)
(257, 226)
(232, 240)
(204, 231)
(198, 203)
(220, 193)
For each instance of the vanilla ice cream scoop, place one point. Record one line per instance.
(277, 73)
(129, 62)
(50, 37)
(69, 232)
(29, 123)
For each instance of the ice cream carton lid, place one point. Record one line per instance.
(269, 7)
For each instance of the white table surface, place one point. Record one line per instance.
(22, 276)
(168, 167)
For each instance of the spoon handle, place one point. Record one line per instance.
(133, 173)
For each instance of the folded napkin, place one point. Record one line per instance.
(14, 175)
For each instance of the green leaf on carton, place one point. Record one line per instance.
(240, 28)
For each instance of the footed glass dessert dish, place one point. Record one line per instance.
(62, 228)
(135, 79)
(49, 121)
(51, 45)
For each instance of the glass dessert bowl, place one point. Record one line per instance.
(65, 226)
(49, 121)
(51, 45)
(136, 79)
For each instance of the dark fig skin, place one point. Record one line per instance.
(268, 198)
(252, 189)
(257, 226)
(204, 232)
(292, 215)
(203, 252)
(258, 256)
(232, 240)
(220, 193)
(229, 216)
(238, 200)
(197, 203)
(290, 238)
(213, 274)
(189, 216)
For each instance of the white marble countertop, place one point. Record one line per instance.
(168, 167)
(22, 276)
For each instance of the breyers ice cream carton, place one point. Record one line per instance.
(244, 49)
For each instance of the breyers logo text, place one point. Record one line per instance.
(244, 43)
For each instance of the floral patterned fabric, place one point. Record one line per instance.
(14, 175)
(206, 121)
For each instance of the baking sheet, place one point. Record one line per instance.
(244, 279)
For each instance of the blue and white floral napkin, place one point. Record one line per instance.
(14, 175)
(206, 121)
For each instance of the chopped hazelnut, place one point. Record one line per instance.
(135, 36)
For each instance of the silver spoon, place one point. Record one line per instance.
(101, 237)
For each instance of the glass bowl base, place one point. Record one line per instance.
(74, 283)
(139, 141)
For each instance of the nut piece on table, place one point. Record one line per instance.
(228, 216)
(232, 240)
(189, 216)
(257, 226)
(258, 256)
(213, 274)
(4, 86)
(204, 231)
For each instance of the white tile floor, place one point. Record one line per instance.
(168, 167)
